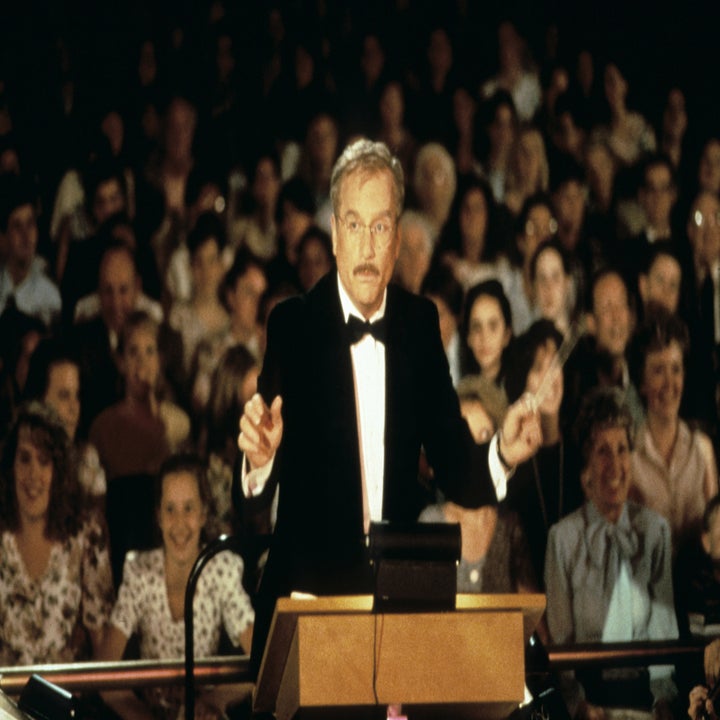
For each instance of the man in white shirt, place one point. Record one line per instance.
(22, 271)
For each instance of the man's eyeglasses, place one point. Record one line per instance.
(381, 230)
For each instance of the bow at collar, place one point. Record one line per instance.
(604, 537)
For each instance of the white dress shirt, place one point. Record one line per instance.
(368, 360)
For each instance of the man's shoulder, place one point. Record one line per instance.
(322, 300)
(409, 305)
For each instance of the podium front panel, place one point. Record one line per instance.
(411, 658)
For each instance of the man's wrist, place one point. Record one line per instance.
(503, 460)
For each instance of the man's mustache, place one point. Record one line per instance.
(366, 268)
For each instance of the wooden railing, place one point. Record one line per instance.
(79, 677)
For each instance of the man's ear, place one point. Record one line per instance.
(705, 539)
(333, 233)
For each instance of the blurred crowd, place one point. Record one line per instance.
(158, 198)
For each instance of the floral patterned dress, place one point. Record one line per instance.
(142, 607)
(43, 620)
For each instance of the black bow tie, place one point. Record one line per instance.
(358, 329)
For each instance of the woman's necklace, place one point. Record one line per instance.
(538, 486)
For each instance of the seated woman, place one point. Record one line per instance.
(151, 598)
(54, 378)
(674, 468)
(487, 324)
(545, 488)
(203, 315)
(233, 383)
(472, 237)
(551, 280)
(241, 292)
(56, 589)
(608, 569)
(135, 435)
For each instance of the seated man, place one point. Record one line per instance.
(22, 271)
(96, 339)
(600, 359)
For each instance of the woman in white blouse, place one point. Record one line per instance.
(151, 598)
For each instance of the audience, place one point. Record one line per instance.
(241, 116)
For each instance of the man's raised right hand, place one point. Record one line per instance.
(261, 430)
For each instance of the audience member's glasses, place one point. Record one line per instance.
(709, 220)
(531, 229)
(381, 230)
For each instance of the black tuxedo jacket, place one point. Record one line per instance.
(319, 538)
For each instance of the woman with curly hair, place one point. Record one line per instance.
(56, 588)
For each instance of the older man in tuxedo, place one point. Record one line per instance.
(355, 381)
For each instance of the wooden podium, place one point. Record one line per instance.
(333, 652)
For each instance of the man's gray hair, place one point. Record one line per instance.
(369, 157)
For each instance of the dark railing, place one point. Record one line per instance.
(224, 542)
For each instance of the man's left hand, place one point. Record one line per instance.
(521, 434)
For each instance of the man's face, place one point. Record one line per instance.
(366, 261)
(108, 200)
(657, 196)
(569, 205)
(118, 288)
(611, 315)
(22, 235)
(661, 285)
